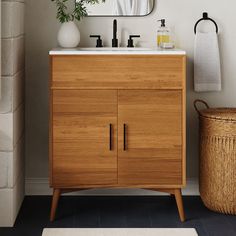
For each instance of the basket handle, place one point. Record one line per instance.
(199, 101)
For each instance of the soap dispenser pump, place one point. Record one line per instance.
(163, 33)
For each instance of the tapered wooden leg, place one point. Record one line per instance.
(55, 199)
(179, 201)
(178, 197)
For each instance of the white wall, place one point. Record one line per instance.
(181, 15)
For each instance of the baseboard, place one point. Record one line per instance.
(40, 186)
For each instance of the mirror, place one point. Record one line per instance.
(121, 8)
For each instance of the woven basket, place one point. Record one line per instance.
(218, 158)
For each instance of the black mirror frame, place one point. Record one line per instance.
(125, 15)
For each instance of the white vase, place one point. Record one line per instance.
(68, 35)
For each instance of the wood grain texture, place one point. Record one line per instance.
(184, 121)
(50, 133)
(179, 202)
(118, 72)
(77, 73)
(89, 94)
(154, 137)
(81, 136)
(55, 200)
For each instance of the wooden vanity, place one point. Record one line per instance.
(117, 120)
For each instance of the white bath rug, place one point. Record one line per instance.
(119, 232)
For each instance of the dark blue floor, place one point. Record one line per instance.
(115, 212)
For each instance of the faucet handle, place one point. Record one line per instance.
(99, 41)
(131, 42)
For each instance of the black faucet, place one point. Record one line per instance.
(115, 40)
(99, 41)
(131, 42)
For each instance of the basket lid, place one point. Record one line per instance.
(219, 113)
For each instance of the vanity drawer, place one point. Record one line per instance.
(118, 72)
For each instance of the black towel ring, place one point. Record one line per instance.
(205, 17)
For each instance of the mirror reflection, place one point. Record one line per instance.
(121, 8)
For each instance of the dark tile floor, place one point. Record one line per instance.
(115, 212)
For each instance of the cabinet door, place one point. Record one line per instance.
(84, 127)
(150, 137)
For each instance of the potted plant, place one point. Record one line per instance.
(69, 35)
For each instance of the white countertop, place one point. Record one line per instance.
(116, 51)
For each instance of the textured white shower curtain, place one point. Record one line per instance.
(132, 7)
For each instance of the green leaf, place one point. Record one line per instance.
(78, 13)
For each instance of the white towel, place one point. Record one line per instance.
(141, 7)
(122, 7)
(207, 71)
(132, 7)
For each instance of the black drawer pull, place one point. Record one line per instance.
(110, 138)
(125, 141)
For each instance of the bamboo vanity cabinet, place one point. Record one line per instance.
(117, 120)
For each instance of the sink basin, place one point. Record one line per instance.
(115, 49)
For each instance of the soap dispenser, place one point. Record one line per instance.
(163, 34)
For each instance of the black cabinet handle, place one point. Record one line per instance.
(125, 129)
(110, 138)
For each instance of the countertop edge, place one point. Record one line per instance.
(151, 52)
